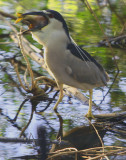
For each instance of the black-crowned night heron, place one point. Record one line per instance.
(67, 62)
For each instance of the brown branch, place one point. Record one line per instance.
(120, 115)
(26, 59)
(110, 87)
(18, 76)
(67, 151)
(97, 134)
(16, 140)
(15, 118)
(23, 130)
(8, 15)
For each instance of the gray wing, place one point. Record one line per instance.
(84, 68)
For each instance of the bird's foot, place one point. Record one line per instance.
(89, 115)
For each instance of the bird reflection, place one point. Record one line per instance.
(80, 138)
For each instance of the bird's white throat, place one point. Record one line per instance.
(51, 35)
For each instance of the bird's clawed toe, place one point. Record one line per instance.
(89, 115)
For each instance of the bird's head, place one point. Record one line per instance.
(45, 25)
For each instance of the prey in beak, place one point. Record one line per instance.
(34, 20)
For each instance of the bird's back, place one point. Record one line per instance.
(76, 67)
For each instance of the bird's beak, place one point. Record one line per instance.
(34, 20)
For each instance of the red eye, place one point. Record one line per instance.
(51, 15)
(31, 26)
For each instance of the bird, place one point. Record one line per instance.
(67, 63)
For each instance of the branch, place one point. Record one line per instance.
(120, 115)
(8, 15)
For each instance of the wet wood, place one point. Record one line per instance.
(117, 115)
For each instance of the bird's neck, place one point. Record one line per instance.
(52, 35)
(51, 40)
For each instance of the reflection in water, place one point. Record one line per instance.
(85, 137)
(83, 141)
(79, 138)
(42, 143)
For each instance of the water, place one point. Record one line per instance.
(85, 31)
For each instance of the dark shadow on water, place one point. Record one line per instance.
(78, 138)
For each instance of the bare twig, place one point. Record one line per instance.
(8, 15)
(23, 130)
(116, 150)
(25, 79)
(120, 115)
(15, 118)
(16, 70)
(110, 87)
(26, 59)
(49, 102)
(97, 135)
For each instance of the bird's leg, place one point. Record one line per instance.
(89, 114)
(60, 96)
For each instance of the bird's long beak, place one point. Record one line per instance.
(34, 20)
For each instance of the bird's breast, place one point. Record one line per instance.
(55, 61)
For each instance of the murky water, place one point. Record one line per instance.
(86, 32)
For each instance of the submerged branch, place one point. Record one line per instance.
(120, 115)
